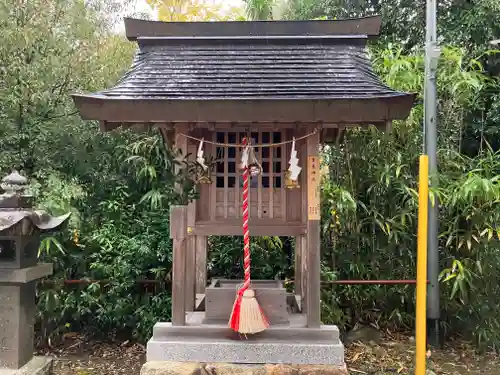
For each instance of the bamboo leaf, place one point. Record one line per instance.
(454, 290)
(490, 234)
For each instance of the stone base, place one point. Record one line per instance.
(192, 368)
(245, 352)
(37, 366)
(216, 343)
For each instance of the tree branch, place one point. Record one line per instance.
(56, 117)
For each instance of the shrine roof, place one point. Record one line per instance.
(249, 71)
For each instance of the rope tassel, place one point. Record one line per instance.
(247, 316)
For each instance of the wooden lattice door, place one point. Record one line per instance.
(267, 191)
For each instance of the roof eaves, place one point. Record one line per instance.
(369, 26)
(129, 109)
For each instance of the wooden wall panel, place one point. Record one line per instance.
(201, 263)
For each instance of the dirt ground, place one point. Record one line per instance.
(80, 356)
(394, 355)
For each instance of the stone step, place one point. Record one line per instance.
(245, 351)
(325, 334)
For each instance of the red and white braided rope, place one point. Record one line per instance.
(247, 316)
(246, 231)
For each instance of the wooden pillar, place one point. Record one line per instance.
(189, 277)
(388, 126)
(304, 273)
(303, 238)
(313, 233)
(298, 266)
(201, 264)
(178, 231)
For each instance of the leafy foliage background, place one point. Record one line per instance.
(120, 185)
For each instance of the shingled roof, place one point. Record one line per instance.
(249, 71)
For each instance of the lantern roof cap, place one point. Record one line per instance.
(14, 183)
(39, 219)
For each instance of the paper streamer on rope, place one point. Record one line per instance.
(294, 168)
(199, 156)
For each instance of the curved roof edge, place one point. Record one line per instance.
(40, 219)
(369, 26)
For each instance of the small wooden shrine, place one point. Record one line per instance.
(273, 82)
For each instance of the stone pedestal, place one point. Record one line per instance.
(36, 366)
(292, 343)
(17, 314)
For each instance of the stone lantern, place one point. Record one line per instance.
(20, 229)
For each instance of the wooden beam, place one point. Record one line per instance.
(169, 127)
(178, 229)
(369, 26)
(354, 111)
(313, 233)
(234, 229)
(106, 126)
(137, 127)
(201, 263)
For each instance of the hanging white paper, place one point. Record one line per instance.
(294, 168)
(245, 156)
(199, 157)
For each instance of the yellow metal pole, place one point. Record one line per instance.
(421, 329)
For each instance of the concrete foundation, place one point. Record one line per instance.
(36, 366)
(193, 368)
(287, 344)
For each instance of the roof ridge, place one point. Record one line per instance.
(253, 39)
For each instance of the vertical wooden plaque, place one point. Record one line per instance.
(313, 186)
